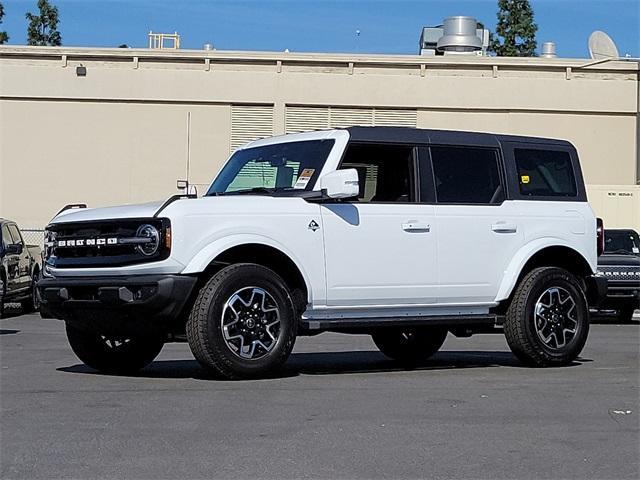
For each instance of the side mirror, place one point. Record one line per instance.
(14, 249)
(341, 183)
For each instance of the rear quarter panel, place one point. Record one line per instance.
(548, 224)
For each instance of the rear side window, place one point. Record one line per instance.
(466, 175)
(545, 173)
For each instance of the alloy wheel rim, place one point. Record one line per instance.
(115, 343)
(556, 318)
(250, 323)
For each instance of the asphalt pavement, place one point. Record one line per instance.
(339, 409)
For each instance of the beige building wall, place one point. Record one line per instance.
(141, 119)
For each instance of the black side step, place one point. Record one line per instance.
(452, 321)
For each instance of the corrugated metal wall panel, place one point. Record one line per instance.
(250, 122)
(304, 119)
(395, 117)
(341, 117)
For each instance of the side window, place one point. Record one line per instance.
(15, 234)
(545, 173)
(6, 237)
(385, 172)
(466, 175)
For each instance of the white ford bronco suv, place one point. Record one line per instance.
(400, 233)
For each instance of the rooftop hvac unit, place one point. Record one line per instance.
(458, 35)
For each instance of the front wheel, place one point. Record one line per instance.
(32, 304)
(243, 322)
(547, 322)
(119, 354)
(409, 345)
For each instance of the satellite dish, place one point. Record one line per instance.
(601, 46)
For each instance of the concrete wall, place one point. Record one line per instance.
(120, 134)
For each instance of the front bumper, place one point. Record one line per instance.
(117, 304)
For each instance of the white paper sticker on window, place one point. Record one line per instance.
(304, 178)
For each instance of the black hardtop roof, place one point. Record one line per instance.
(420, 135)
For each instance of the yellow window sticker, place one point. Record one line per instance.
(524, 178)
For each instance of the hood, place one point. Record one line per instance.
(619, 259)
(142, 210)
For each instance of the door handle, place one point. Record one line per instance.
(504, 227)
(412, 226)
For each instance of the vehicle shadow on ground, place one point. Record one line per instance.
(8, 331)
(336, 363)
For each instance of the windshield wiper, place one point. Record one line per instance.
(250, 190)
(267, 190)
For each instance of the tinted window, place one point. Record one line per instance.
(385, 172)
(466, 175)
(621, 241)
(545, 173)
(282, 166)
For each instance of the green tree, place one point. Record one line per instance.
(43, 27)
(516, 31)
(4, 38)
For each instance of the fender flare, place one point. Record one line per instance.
(522, 256)
(214, 249)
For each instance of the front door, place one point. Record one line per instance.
(10, 262)
(24, 261)
(380, 249)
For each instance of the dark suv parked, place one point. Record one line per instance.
(20, 266)
(620, 264)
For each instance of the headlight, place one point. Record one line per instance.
(150, 232)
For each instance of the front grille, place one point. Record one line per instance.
(101, 243)
(622, 273)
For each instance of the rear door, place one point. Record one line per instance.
(380, 248)
(478, 232)
(546, 181)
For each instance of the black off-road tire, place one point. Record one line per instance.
(133, 355)
(32, 304)
(205, 330)
(1, 307)
(3, 292)
(520, 327)
(409, 345)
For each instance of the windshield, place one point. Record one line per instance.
(292, 166)
(621, 241)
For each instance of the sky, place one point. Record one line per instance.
(385, 26)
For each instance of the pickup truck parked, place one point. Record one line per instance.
(403, 234)
(620, 265)
(20, 266)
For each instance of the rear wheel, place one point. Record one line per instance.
(547, 322)
(409, 345)
(243, 322)
(120, 354)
